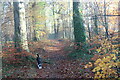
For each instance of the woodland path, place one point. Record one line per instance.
(61, 65)
(56, 54)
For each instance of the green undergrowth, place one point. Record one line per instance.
(69, 48)
(80, 54)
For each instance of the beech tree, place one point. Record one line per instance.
(79, 30)
(20, 26)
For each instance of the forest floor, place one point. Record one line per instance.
(62, 66)
(60, 60)
(59, 66)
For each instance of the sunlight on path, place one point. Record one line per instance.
(52, 48)
(56, 46)
(55, 54)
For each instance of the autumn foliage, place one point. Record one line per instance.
(106, 61)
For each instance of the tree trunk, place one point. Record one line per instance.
(54, 24)
(20, 27)
(119, 19)
(79, 30)
(1, 10)
(96, 25)
(89, 32)
(119, 30)
(105, 19)
(57, 29)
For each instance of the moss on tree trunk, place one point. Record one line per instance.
(79, 29)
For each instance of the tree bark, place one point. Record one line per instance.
(105, 19)
(20, 27)
(1, 10)
(119, 19)
(89, 31)
(54, 24)
(79, 30)
(96, 25)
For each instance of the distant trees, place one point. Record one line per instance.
(95, 20)
(105, 20)
(0, 40)
(0, 28)
(119, 17)
(79, 29)
(20, 26)
(53, 20)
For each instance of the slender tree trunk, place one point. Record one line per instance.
(54, 24)
(96, 25)
(105, 21)
(89, 31)
(57, 30)
(95, 20)
(63, 25)
(119, 19)
(69, 33)
(48, 20)
(1, 10)
(0, 40)
(34, 31)
(118, 70)
(20, 27)
(34, 21)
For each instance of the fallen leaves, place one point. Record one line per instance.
(61, 66)
(89, 65)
